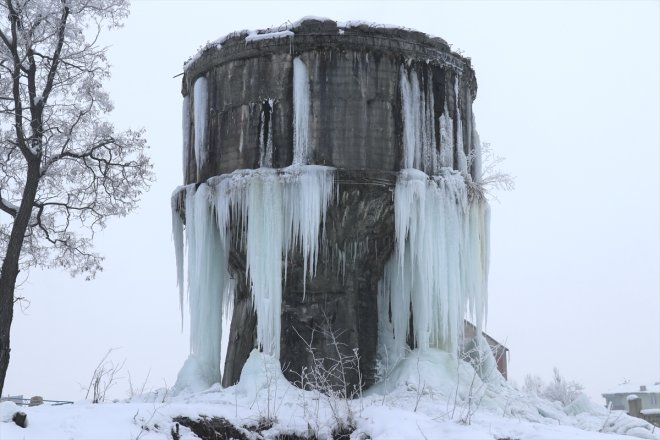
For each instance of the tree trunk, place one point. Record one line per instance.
(10, 264)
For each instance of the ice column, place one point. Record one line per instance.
(461, 158)
(177, 238)
(278, 212)
(200, 99)
(265, 238)
(208, 276)
(185, 130)
(419, 143)
(266, 134)
(439, 268)
(301, 108)
(446, 139)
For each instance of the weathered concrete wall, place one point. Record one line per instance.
(356, 120)
(356, 125)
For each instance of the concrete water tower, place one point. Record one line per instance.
(364, 102)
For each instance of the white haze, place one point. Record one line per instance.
(568, 93)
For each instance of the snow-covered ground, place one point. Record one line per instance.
(426, 396)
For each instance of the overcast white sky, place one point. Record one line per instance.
(568, 93)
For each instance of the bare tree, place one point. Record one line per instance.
(104, 377)
(64, 169)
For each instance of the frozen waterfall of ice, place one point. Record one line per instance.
(276, 212)
(208, 279)
(438, 272)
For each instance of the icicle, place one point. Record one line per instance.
(460, 151)
(265, 230)
(266, 134)
(446, 139)
(245, 114)
(476, 153)
(410, 110)
(185, 126)
(439, 266)
(430, 154)
(419, 142)
(309, 194)
(278, 211)
(207, 278)
(200, 98)
(301, 109)
(177, 237)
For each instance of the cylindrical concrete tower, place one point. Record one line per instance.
(364, 102)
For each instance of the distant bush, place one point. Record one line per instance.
(557, 390)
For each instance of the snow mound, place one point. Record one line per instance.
(7, 411)
(428, 395)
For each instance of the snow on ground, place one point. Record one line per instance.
(427, 396)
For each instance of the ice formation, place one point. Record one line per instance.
(436, 276)
(438, 272)
(266, 134)
(301, 147)
(420, 150)
(275, 212)
(185, 130)
(446, 139)
(461, 158)
(200, 101)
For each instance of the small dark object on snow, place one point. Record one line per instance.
(20, 418)
(215, 428)
(342, 433)
(175, 433)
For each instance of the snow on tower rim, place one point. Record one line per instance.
(317, 32)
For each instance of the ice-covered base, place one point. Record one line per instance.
(430, 395)
(436, 276)
(274, 212)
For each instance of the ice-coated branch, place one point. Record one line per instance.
(52, 109)
(52, 71)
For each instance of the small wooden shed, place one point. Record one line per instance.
(500, 351)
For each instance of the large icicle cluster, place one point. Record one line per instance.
(275, 213)
(420, 146)
(420, 150)
(438, 272)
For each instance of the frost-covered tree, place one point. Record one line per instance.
(559, 389)
(64, 169)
